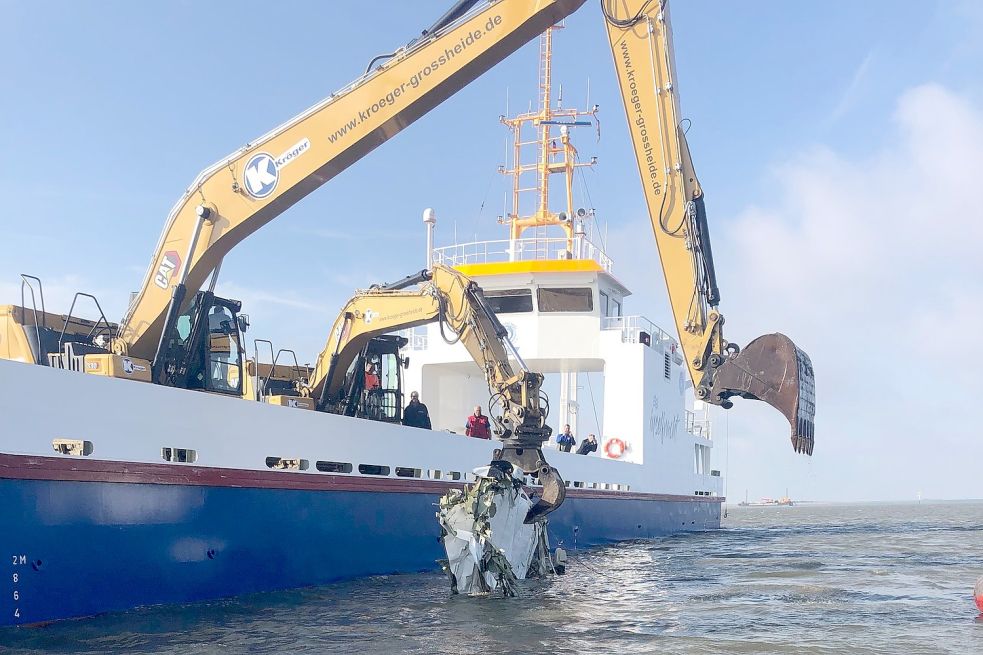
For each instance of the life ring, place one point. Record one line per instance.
(615, 448)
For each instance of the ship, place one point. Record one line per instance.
(784, 501)
(177, 486)
(152, 509)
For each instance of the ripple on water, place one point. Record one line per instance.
(809, 579)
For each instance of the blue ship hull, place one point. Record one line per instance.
(78, 548)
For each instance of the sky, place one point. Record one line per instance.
(840, 147)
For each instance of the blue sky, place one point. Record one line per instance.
(839, 145)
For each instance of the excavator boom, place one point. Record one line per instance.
(771, 368)
(241, 193)
(251, 187)
(451, 298)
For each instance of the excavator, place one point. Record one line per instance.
(449, 297)
(176, 332)
(360, 345)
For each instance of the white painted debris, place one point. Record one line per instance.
(488, 544)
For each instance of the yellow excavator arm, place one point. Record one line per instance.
(771, 368)
(239, 194)
(449, 297)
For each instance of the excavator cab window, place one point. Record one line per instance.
(375, 381)
(381, 397)
(223, 371)
(203, 347)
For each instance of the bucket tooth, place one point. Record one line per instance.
(776, 371)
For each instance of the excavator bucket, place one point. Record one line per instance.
(773, 369)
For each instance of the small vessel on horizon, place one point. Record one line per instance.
(784, 501)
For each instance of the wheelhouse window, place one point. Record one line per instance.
(509, 301)
(610, 305)
(565, 300)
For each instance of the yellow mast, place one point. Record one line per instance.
(552, 157)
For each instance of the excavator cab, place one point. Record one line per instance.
(203, 349)
(374, 382)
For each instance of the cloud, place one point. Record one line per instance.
(871, 264)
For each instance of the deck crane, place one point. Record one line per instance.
(183, 334)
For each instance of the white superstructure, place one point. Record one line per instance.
(566, 318)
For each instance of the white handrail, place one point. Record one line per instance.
(506, 250)
(632, 326)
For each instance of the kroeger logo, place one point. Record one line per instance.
(129, 367)
(263, 170)
(169, 266)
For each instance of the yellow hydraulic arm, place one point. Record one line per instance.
(771, 368)
(239, 194)
(453, 299)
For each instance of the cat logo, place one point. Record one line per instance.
(169, 266)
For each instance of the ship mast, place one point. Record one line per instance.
(553, 157)
(531, 181)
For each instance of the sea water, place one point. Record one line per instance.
(813, 578)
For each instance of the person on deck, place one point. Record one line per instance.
(416, 415)
(371, 377)
(565, 439)
(478, 425)
(588, 445)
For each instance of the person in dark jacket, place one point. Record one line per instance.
(565, 440)
(416, 414)
(478, 425)
(588, 445)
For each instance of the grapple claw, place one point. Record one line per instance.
(774, 370)
(531, 460)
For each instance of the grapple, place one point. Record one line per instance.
(529, 458)
(774, 370)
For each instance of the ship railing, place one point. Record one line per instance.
(698, 424)
(638, 329)
(416, 338)
(508, 250)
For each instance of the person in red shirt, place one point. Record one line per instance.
(478, 425)
(371, 377)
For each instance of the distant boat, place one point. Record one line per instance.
(784, 501)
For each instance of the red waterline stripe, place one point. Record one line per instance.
(37, 467)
